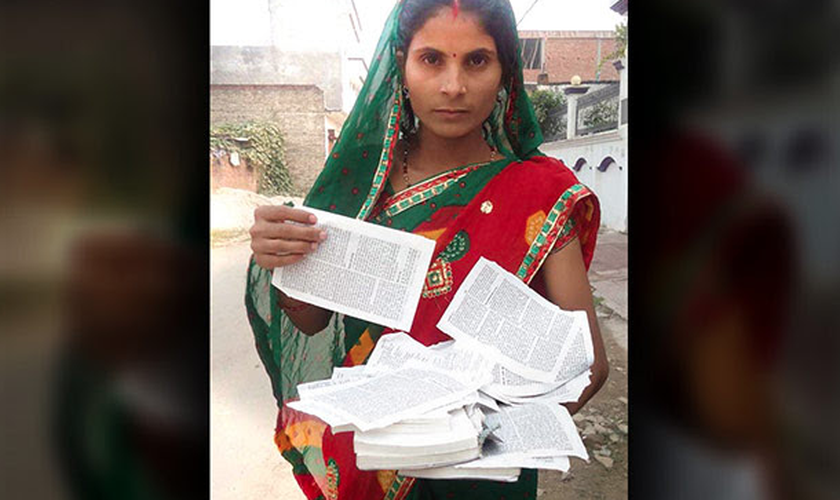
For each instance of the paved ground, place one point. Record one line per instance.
(246, 465)
(608, 272)
(244, 462)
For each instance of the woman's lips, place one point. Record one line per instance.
(451, 112)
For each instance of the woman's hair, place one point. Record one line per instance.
(494, 16)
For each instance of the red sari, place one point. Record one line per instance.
(513, 216)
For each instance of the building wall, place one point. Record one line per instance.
(275, 66)
(298, 110)
(610, 186)
(569, 53)
(337, 62)
(223, 174)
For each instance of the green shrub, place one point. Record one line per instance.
(262, 145)
(546, 103)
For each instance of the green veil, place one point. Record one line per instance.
(356, 170)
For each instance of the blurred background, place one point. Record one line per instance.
(735, 276)
(103, 250)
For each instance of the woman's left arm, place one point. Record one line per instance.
(567, 286)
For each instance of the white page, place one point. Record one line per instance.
(552, 463)
(457, 434)
(521, 460)
(569, 392)
(460, 471)
(579, 354)
(487, 401)
(532, 430)
(339, 376)
(393, 350)
(512, 384)
(498, 313)
(362, 270)
(387, 398)
(386, 461)
(428, 422)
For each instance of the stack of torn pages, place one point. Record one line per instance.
(481, 406)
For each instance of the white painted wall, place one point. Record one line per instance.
(610, 186)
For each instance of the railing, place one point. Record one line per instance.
(598, 111)
(595, 112)
(559, 116)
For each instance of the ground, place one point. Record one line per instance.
(603, 427)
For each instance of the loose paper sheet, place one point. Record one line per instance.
(525, 333)
(394, 350)
(569, 392)
(363, 270)
(339, 376)
(531, 431)
(386, 398)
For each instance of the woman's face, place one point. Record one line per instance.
(453, 74)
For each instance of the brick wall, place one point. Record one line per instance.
(569, 53)
(224, 174)
(298, 110)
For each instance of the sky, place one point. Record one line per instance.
(245, 22)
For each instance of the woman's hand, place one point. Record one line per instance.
(283, 235)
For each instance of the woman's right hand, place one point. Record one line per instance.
(283, 235)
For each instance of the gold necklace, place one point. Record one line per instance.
(405, 162)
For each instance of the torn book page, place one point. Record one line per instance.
(569, 392)
(578, 354)
(496, 312)
(339, 376)
(386, 398)
(362, 270)
(533, 430)
(394, 350)
(578, 357)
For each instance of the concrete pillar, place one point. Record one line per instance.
(621, 66)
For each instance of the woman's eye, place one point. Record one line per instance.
(477, 60)
(431, 59)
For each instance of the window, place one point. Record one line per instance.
(532, 53)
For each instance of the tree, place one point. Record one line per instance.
(620, 46)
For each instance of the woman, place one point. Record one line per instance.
(442, 142)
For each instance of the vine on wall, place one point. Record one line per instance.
(262, 145)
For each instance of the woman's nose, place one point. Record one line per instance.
(453, 82)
